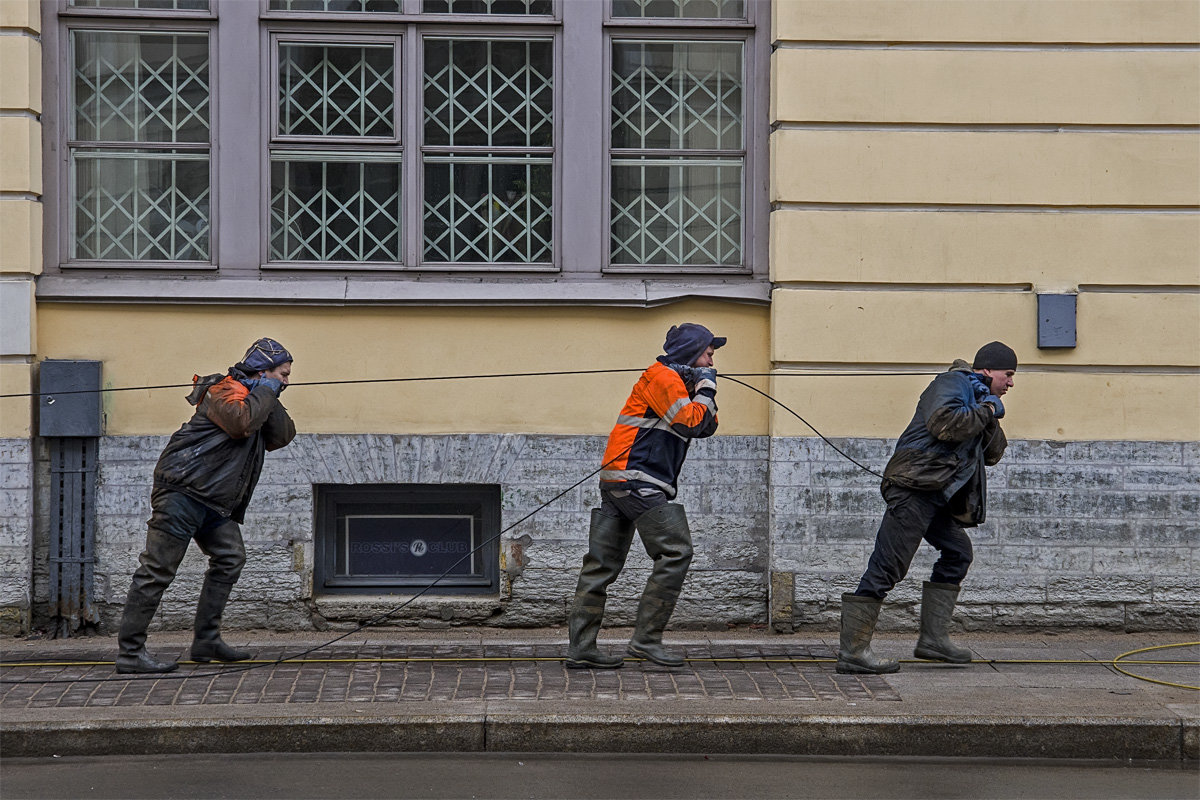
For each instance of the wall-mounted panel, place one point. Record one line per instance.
(991, 86)
(998, 21)
(932, 327)
(994, 168)
(1066, 249)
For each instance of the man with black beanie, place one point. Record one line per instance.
(935, 485)
(203, 483)
(673, 402)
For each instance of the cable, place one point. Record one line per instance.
(806, 422)
(793, 374)
(1152, 680)
(363, 625)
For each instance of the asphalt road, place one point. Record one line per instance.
(687, 777)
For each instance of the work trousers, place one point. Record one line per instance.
(910, 517)
(175, 514)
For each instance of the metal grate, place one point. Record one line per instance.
(72, 532)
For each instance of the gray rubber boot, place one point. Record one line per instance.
(859, 615)
(608, 545)
(937, 605)
(156, 569)
(668, 541)
(207, 644)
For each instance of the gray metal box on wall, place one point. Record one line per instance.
(69, 400)
(1056, 320)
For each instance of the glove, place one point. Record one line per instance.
(685, 372)
(980, 386)
(996, 405)
(274, 384)
(705, 377)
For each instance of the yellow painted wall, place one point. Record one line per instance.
(1007, 21)
(143, 345)
(20, 213)
(923, 195)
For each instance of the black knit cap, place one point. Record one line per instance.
(995, 355)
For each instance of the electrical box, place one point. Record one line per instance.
(69, 399)
(1056, 320)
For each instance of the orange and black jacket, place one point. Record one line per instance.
(217, 456)
(650, 441)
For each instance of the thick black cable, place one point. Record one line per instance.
(430, 378)
(843, 453)
(388, 614)
(361, 626)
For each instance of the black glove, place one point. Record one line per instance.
(685, 372)
(705, 377)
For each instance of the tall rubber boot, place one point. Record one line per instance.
(937, 605)
(156, 569)
(207, 644)
(608, 545)
(859, 615)
(668, 541)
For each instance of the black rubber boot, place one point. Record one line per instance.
(207, 644)
(664, 531)
(859, 615)
(937, 605)
(131, 640)
(156, 569)
(608, 545)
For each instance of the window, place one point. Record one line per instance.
(676, 152)
(597, 143)
(400, 537)
(139, 146)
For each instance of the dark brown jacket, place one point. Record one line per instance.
(217, 456)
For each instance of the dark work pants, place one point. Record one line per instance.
(910, 517)
(176, 514)
(671, 552)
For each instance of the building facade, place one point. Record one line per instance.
(854, 192)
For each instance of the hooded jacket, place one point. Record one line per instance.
(650, 441)
(945, 447)
(217, 455)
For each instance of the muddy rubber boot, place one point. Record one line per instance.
(937, 605)
(207, 644)
(668, 541)
(132, 657)
(859, 615)
(156, 569)
(608, 545)
(654, 612)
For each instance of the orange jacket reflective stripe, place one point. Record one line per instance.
(650, 440)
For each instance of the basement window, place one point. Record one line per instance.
(406, 537)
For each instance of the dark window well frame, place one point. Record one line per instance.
(243, 39)
(334, 575)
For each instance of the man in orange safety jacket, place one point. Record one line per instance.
(673, 402)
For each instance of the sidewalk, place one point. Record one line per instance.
(507, 690)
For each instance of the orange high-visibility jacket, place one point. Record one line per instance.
(650, 440)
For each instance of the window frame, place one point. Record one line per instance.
(57, 134)
(240, 36)
(697, 34)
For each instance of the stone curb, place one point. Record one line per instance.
(784, 734)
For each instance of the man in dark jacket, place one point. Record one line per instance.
(203, 483)
(673, 402)
(935, 485)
